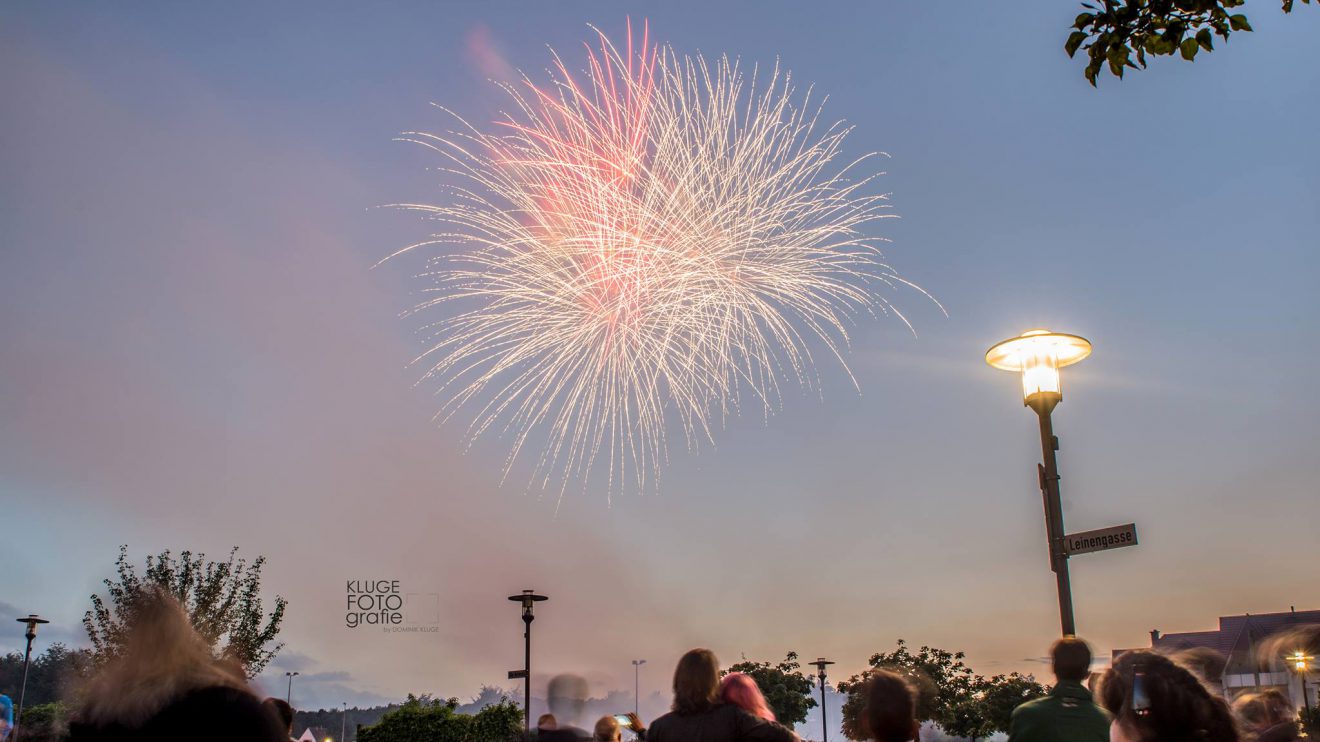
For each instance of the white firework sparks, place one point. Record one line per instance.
(656, 243)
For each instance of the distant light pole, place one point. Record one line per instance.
(1299, 660)
(343, 724)
(33, 621)
(1039, 354)
(528, 598)
(289, 697)
(637, 686)
(821, 664)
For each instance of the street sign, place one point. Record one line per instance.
(1114, 537)
(516, 674)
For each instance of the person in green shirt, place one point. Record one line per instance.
(1068, 713)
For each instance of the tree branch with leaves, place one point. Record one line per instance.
(222, 599)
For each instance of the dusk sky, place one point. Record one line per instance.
(196, 353)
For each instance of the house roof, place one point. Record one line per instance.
(1236, 634)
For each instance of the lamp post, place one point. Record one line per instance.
(1299, 660)
(343, 723)
(528, 598)
(289, 696)
(637, 686)
(1038, 355)
(821, 664)
(33, 621)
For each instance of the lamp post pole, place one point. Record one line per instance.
(288, 698)
(343, 724)
(1038, 355)
(1299, 660)
(820, 664)
(637, 686)
(32, 621)
(528, 598)
(1044, 403)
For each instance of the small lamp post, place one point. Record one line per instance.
(343, 723)
(1300, 660)
(637, 686)
(821, 663)
(528, 598)
(1038, 355)
(289, 696)
(33, 621)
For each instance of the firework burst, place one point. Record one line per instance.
(648, 246)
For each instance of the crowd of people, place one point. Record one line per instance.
(167, 686)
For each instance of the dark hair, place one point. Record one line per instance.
(282, 711)
(1071, 659)
(1181, 707)
(891, 707)
(696, 682)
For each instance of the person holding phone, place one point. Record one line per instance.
(1068, 713)
(1152, 697)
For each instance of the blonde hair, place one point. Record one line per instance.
(162, 659)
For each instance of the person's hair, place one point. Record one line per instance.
(741, 690)
(1180, 707)
(696, 682)
(282, 711)
(162, 659)
(1260, 711)
(1070, 659)
(546, 721)
(891, 707)
(607, 729)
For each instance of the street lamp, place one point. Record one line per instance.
(528, 598)
(1299, 660)
(637, 686)
(289, 697)
(33, 621)
(343, 723)
(821, 664)
(1038, 355)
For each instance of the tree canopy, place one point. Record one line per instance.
(1118, 34)
(787, 691)
(223, 601)
(949, 693)
(426, 719)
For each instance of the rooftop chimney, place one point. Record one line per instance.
(1154, 636)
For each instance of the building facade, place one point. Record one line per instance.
(1234, 657)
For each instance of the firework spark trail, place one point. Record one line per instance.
(654, 237)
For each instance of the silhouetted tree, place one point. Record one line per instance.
(945, 685)
(427, 719)
(787, 691)
(222, 599)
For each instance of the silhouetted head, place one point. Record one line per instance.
(891, 708)
(607, 730)
(696, 682)
(1151, 698)
(566, 697)
(1258, 712)
(162, 659)
(741, 690)
(1070, 659)
(547, 722)
(281, 710)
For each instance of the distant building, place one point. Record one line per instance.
(1236, 641)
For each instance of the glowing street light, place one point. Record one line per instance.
(1038, 355)
(821, 663)
(1300, 660)
(528, 598)
(33, 621)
